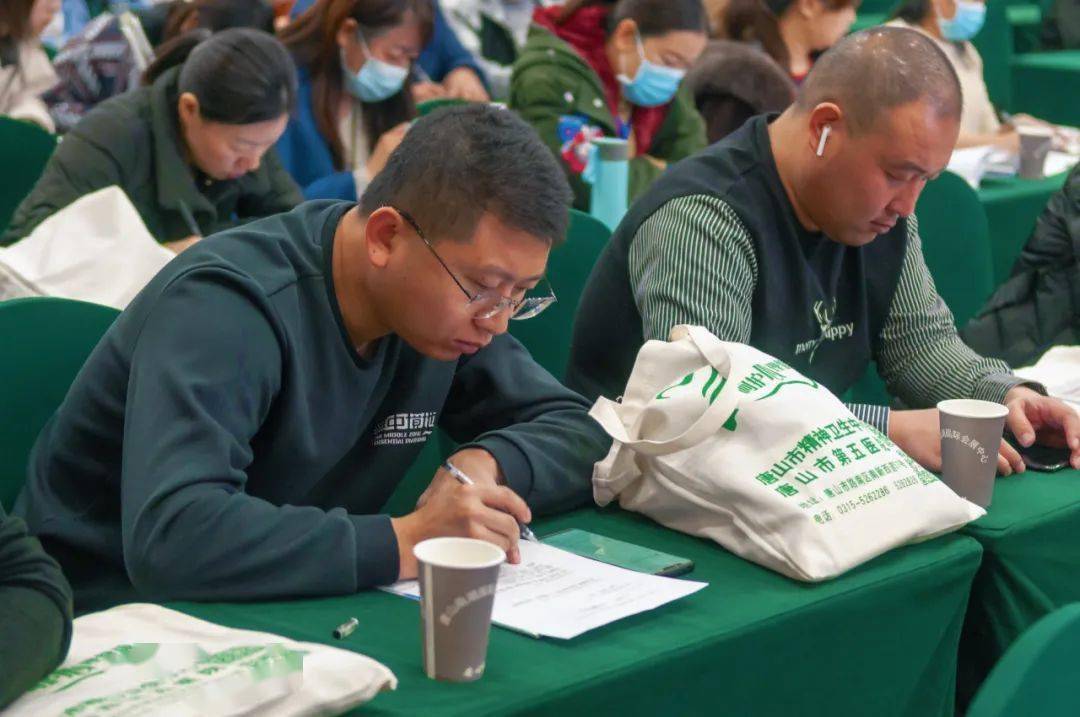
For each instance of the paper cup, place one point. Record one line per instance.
(457, 592)
(970, 438)
(1035, 143)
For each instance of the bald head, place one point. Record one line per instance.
(873, 71)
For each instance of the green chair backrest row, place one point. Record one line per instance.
(956, 243)
(25, 148)
(1039, 672)
(46, 342)
(428, 106)
(995, 44)
(548, 335)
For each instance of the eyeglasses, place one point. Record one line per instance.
(488, 302)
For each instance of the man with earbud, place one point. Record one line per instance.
(796, 234)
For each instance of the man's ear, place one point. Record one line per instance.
(382, 234)
(825, 121)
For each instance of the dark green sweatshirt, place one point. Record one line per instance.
(133, 141)
(225, 441)
(35, 611)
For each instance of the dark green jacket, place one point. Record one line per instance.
(132, 141)
(1039, 306)
(551, 80)
(35, 611)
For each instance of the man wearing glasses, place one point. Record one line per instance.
(237, 430)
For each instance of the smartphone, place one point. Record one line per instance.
(1040, 458)
(619, 553)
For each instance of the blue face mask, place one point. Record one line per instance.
(653, 85)
(966, 23)
(376, 79)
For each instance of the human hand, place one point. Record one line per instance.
(1034, 418)
(180, 245)
(464, 84)
(918, 433)
(485, 510)
(424, 91)
(384, 147)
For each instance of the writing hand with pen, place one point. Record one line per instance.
(484, 508)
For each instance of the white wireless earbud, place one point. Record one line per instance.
(821, 142)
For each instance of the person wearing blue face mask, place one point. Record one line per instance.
(953, 24)
(354, 102)
(593, 68)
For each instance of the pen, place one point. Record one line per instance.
(189, 219)
(526, 533)
(346, 628)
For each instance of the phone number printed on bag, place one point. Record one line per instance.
(841, 444)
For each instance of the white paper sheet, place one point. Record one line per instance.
(1058, 162)
(1059, 371)
(553, 593)
(970, 163)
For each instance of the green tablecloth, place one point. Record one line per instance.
(1047, 85)
(881, 640)
(1031, 565)
(1012, 206)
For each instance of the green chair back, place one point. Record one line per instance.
(46, 342)
(548, 335)
(24, 150)
(1038, 674)
(956, 244)
(995, 44)
(428, 106)
(878, 7)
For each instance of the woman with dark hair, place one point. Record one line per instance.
(733, 81)
(953, 23)
(596, 68)
(355, 59)
(444, 68)
(792, 32)
(109, 55)
(25, 72)
(192, 149)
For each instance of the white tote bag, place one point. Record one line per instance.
(143, 659)
(96, 249)
(725, 442)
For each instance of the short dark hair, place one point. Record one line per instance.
(875, 70)
(218, 15)
(457, 163)
(240, 76)
(912, 11)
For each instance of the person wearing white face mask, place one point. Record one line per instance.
(354, 101)
(614, 69)
(953, 24)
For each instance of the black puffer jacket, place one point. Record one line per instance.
(1039, 306)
